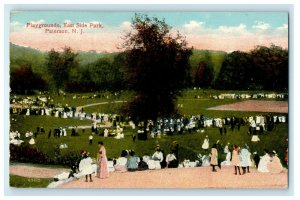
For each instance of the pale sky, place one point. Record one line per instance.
(225, 31)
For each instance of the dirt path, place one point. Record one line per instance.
(32, 171)
(78, 108)
(200, 177)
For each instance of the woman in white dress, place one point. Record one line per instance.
(275, 166)
(121, 162)
(205, 144)
(263, 162)
(244, 156)
(86, 167)
(226, 162)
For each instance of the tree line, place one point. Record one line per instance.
(153, 60)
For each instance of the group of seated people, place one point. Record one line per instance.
(129, 161)
(269, 163)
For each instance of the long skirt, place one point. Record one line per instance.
(102, 171)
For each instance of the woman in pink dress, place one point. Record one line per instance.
(103, 169)
(235, 160)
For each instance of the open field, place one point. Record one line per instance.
(256, 106)
(189, 143)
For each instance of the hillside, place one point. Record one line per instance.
(20, 55)
(216, 58)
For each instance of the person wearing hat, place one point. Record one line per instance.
(85, 166)
(158, 158)
(275, 165)
(158, 154)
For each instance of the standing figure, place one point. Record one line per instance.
(263, 162)
(256, 159)
(102, 171)
(91, 139)
(214, 157)
(235, 160)
(205, 144)
(244, 156)
(85, 166)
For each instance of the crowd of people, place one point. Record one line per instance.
(127, 162)
(249, 96)
(240, 159)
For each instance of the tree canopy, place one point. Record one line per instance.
(23, 80)
(157, 67)
(262, 68)
(59, 65)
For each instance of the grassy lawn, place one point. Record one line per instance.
(190, 144)
(25, 182)
(24, 123)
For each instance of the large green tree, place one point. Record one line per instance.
(271, 65)
(204, 75)
(237, 71)
(59, 65)
(23, 80)
(157, 68)
(262, 68)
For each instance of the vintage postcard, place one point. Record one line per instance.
(148, 99)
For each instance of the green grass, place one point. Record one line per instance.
(191, 106)
(273, 140)
(25, 182)
(24, 123)
(190, 144)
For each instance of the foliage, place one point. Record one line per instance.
(23, 80)
(59, 65)
(236, 72)
(214, 58)
(31, 154)
(204, 75)
(27, 153)
(25, 182)
(271, 66)
(25, 56)
(262, 68)
(157, 68)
